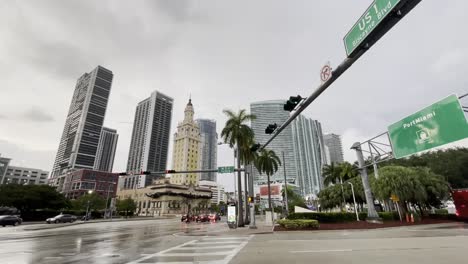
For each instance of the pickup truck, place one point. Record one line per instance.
(460, 199)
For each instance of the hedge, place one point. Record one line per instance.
(340, 217)
(298, 224)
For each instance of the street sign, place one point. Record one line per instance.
(325, 72)
(395, 198)
(227, 169)
(436, 125)
(378, 10)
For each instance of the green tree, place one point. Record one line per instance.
(294, 199)
(416, 185)
(267, 162)
(32, 197)
(331, 174)
(238, 134)
(330, 197)
(95, 201)
(450, 164)
(347, 171)
(127, 205)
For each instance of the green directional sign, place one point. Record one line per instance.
(228, 169)
(433, 126)
(378, 10)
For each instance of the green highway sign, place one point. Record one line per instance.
(228, 169)
(367, 23)
(436, 125)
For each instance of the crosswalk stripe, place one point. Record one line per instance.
(229, 248)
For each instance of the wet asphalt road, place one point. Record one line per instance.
(169, 241)
(431, 244)
(108, 242)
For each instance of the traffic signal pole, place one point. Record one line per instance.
(396, 15)
(320, 89)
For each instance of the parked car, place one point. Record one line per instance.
(214, 217)
(10, 220)
(62, 218)
(202, 218)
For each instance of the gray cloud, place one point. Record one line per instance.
(226, 54)
(37, 114)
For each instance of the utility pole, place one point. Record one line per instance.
(285, 186)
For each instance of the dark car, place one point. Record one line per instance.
(10, 220)
(185, 218)
(202, 218)
(62, 218)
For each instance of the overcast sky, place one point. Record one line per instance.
(227, 54)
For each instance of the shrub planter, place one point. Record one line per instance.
(298, 224)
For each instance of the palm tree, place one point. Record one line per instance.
(267, 162)
(347, 171)
(237, 134)
(331, 174)
(247, 157)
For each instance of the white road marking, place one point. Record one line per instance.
(161, 252)
(209, 247)
(235, 251)
(223, 238)
(228, 251)
(218, 242)
(322, 251)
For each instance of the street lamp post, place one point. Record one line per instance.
(354, 200)
(110, 184)
(87, 206)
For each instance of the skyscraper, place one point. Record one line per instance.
(209, 148)
(333, 142)
(310, 156)
(106, 150)
(80, 137)
(187, 149)
(150, 137)
(3, 167)
(270, 112)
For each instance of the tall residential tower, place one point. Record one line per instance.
(209, 148)
(270, 112)
(106, 150)
(333, 142)
(82, 131)
(150, 139)
(310, 156)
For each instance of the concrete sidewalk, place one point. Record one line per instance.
(261, 228)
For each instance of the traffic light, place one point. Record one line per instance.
(251, 199)
(170, 171)
(292, 103)
(122, 173)
(270, 128)
(146, 172)
(255, 147)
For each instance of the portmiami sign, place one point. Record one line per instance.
(436, 125)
